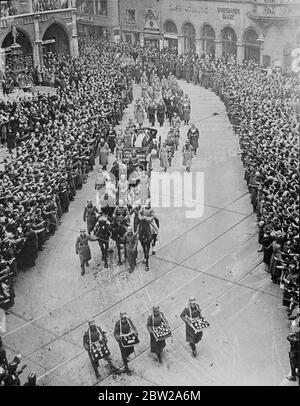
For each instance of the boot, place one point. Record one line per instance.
(82, 270)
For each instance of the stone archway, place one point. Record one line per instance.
(61, 43)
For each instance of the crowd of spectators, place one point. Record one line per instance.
(55, 139)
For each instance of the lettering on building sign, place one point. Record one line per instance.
(228, 13)
(151, 20)
(3, 23)
(189, 9)
(87, 19)
(66, 15)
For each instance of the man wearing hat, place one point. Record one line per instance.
(83, 250)
(193, 137)
(192, 311)
(102, 231)
(93, 335)
(124, 326)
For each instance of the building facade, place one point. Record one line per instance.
(265, 30)
(32, 27)
(98, 18)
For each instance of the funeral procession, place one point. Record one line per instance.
(149, 193)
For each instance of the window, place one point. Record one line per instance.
(130, 16)
(229, 42)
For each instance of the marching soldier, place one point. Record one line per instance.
(155, 320)
(83, 250)
(175, 121)
(93, 335)
(148, 213)
(151, 113)
(90, 216)
(124, 326)
(191, 311)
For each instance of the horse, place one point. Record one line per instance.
(118, 230)
(144, 137)
(146, 238)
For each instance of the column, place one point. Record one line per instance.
(30, 7)
(37, 48)
(180, 44)
(199, 46)
(218, 49)
(74, 45)
(239, 52)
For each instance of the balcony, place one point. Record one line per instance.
(275, 11)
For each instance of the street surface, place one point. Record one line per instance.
(213, 257)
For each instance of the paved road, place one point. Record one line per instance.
(213, 257)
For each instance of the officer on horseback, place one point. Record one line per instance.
(103, 232)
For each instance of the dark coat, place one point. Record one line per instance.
(190, 334)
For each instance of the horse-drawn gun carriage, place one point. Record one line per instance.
(136, 155)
